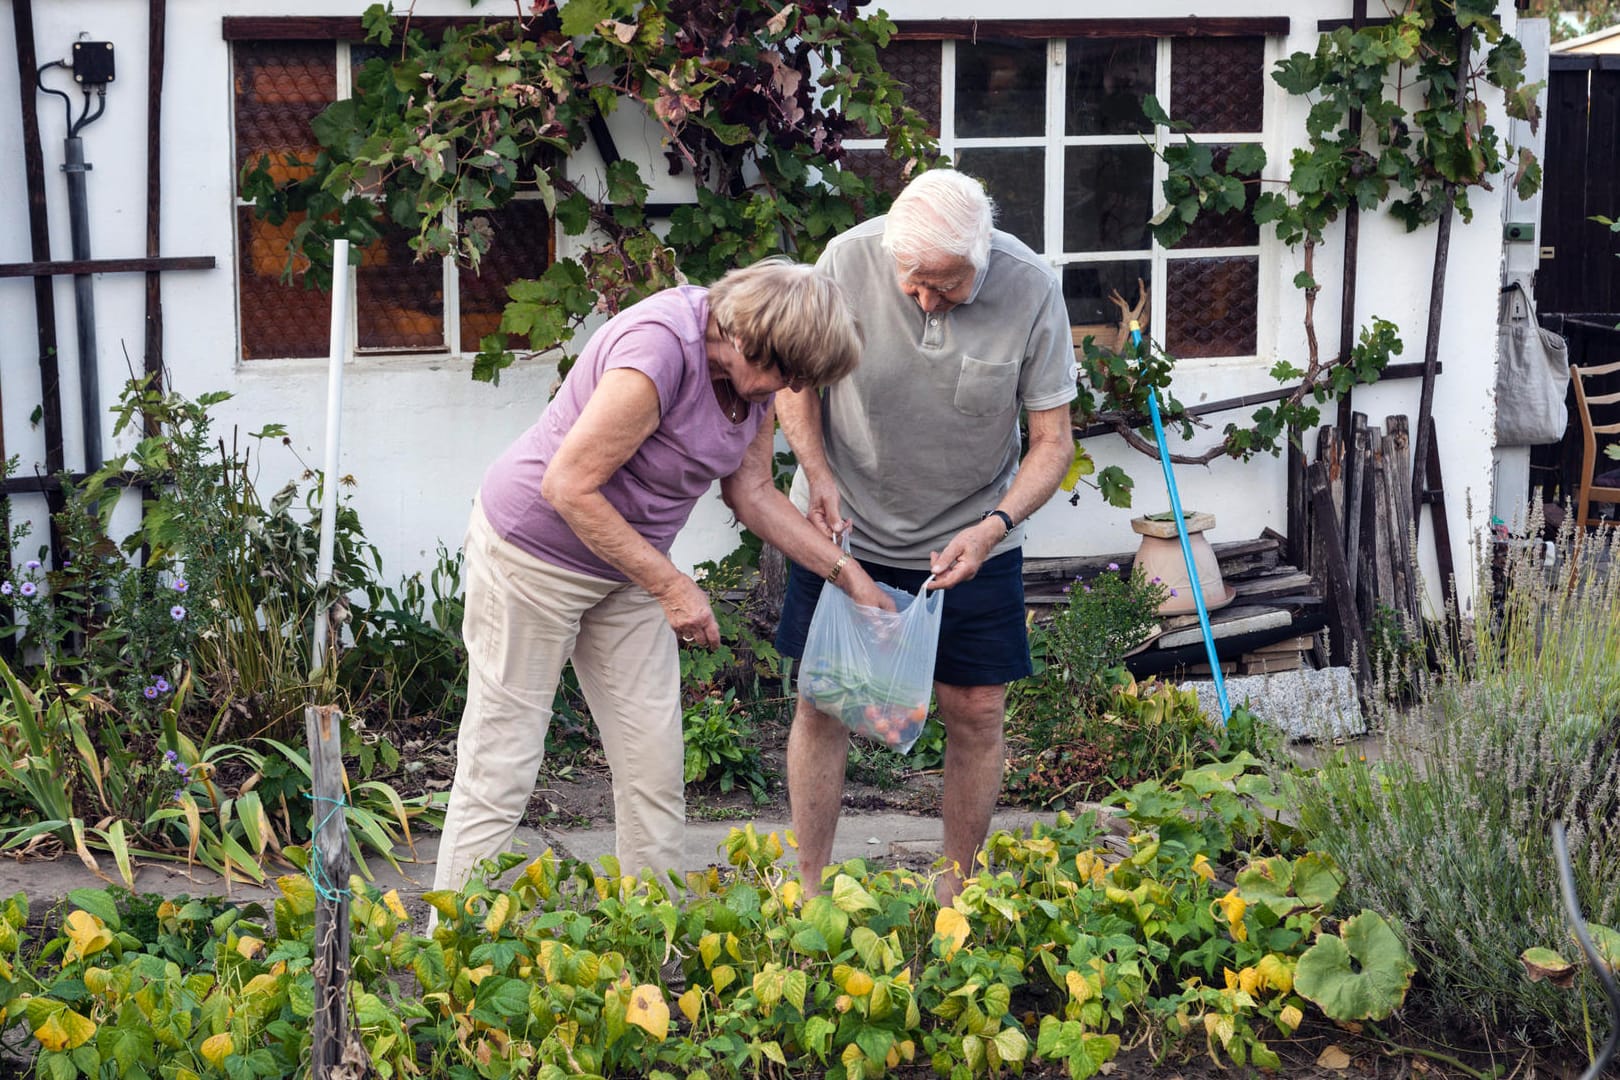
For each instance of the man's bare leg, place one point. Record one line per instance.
(975, 758)
(817, 753)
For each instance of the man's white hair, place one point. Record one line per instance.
(942, 214)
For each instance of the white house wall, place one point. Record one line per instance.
(418, 432)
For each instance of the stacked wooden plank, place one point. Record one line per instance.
(1359, 538)
(1268, 627)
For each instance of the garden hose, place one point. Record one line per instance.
(1181, 525)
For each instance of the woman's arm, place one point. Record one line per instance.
(768, 513)
(621, 414)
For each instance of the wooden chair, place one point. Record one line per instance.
(1590, 491)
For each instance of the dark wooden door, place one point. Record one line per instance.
(1579, 273)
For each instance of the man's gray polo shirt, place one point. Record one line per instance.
(923, 438)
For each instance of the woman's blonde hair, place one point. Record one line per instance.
(787, 313)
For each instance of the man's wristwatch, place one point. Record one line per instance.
(1006, 518)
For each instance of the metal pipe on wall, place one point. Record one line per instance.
(84, 300)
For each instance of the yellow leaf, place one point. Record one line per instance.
(859, 984)
(1079, 987)
(391, 899)
(87, 934)
(64, 1029)
(248, 947)
(260, 984)
(1202, 868)
(648, 1011)
(791, 893)
(1232, 908)
(299, 891)
(951, 925)
(689, 1003)
(1290, 1019)
(167, 910)
(216, 1048)
(1276, 973)
(498, 911)
(1249, 980)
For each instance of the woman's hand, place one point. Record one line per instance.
(686, 606)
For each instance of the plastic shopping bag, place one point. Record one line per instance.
(874, 669)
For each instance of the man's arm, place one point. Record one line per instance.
(1051, 449)
(800, 414)
(768, 513)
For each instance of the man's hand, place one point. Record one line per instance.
(686, 606)
(967, 551)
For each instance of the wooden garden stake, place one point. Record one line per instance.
(329, 866)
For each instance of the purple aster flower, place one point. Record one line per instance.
(29, 588)
(32, 564)
(179, 799)
(150, 692)
(180, 767)
(5, 588)
(1174, 593)
(177, 613)
(1156, 579)
(1086, 587)
(170, 756)
(1113, 566)
(162, 685)
(181, 585)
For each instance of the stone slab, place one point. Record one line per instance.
(1306, 704)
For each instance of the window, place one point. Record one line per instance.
(401, 305)
(1054, 127)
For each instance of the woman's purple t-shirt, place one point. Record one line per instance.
(694, 444)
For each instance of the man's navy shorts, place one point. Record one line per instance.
(982, 638)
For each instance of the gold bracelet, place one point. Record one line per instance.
(832, 575)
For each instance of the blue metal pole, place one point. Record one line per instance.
(1181, 527)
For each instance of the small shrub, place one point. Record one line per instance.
(1448, 832)
(720, 747)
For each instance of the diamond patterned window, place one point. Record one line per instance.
(1055, 129)
(401, 302)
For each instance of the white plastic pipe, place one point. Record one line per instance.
(337, 352)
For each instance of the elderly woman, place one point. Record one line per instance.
(568, 548)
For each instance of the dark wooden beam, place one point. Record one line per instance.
(56, 267)
(156, 23)
(39, 234)
(1188, 26)
(352, 28)
(1391, 373)
(1327, 26)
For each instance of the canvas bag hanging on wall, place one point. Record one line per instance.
(1532, 375)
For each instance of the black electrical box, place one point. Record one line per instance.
(92, 63)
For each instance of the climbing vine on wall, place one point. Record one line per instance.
(754, 100)
(1425, 142)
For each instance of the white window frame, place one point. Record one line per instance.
(1054, 141)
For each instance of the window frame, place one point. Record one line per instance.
(1054, 141)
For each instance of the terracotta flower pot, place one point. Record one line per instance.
(1159, 556)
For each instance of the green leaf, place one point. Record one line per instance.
(851, 898)
(1360, 974)
(579, 17)
(97, 902)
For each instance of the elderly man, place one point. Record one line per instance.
(965, 327)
